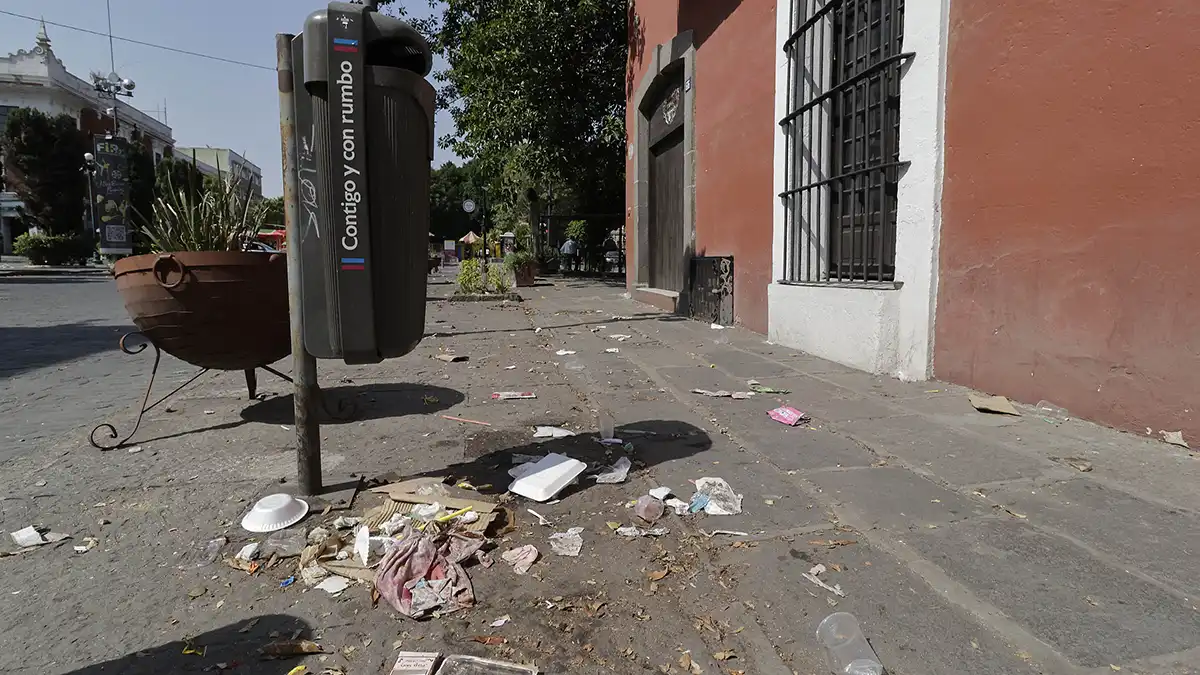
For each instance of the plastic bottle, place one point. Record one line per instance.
(847, 649)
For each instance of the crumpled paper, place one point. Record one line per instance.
(521, 558)
(567, 543)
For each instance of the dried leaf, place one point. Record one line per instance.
(725, 655)
(490, 640)
(658, 575)
(689, 666)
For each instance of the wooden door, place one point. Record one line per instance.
(666, 227)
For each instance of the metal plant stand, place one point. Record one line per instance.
(345, 409)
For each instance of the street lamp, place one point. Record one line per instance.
(112, 86)
(89, 169)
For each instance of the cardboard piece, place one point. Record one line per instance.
(992, 404)
(415, 663)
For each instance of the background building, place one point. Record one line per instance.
(926, 188)
(37, 79)
(226, 160)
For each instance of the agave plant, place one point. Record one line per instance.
(221, 217)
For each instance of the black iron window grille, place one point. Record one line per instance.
(843, 140)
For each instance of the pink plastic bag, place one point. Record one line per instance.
(787, 415)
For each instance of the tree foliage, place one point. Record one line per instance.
(273, 210)
(449, 185)
(537, 86)
(43, 156)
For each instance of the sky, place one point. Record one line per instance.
(208, 103)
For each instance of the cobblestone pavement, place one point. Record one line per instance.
(979, 544)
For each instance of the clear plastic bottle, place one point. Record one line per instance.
(848, 651)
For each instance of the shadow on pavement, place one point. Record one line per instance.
(25, 348)
(360, 402)
(228, 644)
(489, 453)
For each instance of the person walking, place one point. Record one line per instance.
(570, 254)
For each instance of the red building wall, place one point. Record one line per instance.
(1070, 240)
(734, 126)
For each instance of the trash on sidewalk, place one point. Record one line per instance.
(552, 432)
(620, 337)
(521, 558)
(415, 663)
(832, 543)
(717, 326)
(212, 551)
(617, 473)
(248, 552)
(846, 647)
(407, 494)
(632, 531)
(564, 352)
(190, 648)
(721, 393)
(466, 421)
(501, 621)
(89, 543)
(612, 350)
(284, 544)
(678, 505)
(1174, 438)
(660, 493)
(1077, 463)
(547, 477)
(992, 404)
(475, 665)
(568, 543)
(334, 585)
(811, 575)
(274, 512)
(281, 649)
(512, 395)
(732, 533)
(722, 500)
(28, 536)
(542, 520)
(648, 509)
(424, 571)
(760, 388)
(452, 358)
(345, 522)
(788, 415)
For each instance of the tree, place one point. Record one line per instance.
(449, 186)
(142, 178)
(43, 155)
(273, 207)
(540, 82)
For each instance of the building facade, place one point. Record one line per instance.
(931, 188)
(226, 161)
(36, 78)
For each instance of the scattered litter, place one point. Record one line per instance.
(275, 512)
(689, 666)
(474, 665)
(415, 663)
(410, 495)
(551, 432)
(722, 500)
(512, 395)
(466, 421)
(732, 533)
(249, 626)
(210, 412)
(501, 621)
(286, 648)
(992, 404)
(788, 415)
(717, 326)
(345, 522)
(658, 575)
(611, 441)
(660, 493)
(681, 507)
(617, 473)
(648, 509)
(547, 477)
(699, 501)
(564, 352)
(510, 367)
(134, 450)
(832, 543)
(334, 585)
(1174, 438)
(612, 350)
(521, 558)
(568, 543)
(284, 544)
(760, 388)
(248, 552)
(28, 536)
(89, 544)
(191, 649)
(452, 358)
(621, 338)
(542, 520)
(811, 575)
(212, 551)
(287, 582)
(639, 532)
(727, 655)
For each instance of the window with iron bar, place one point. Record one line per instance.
(843, 140)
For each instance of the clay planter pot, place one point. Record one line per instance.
(526, 275)
(225, 310)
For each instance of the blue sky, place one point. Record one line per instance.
(208, 102)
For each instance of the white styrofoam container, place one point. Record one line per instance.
(547, 477)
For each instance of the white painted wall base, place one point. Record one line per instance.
(880, 330)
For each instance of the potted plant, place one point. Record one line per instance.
(201, 296)
(522, 262)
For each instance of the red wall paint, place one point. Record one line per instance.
(735, 126)
(1070, 240)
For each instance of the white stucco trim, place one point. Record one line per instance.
(881, 330)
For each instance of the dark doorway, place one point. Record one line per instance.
(666, 231)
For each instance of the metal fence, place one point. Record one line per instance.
(843, 140)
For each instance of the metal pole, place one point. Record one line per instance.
(306, 393)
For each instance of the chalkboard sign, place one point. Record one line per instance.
(110, 196)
